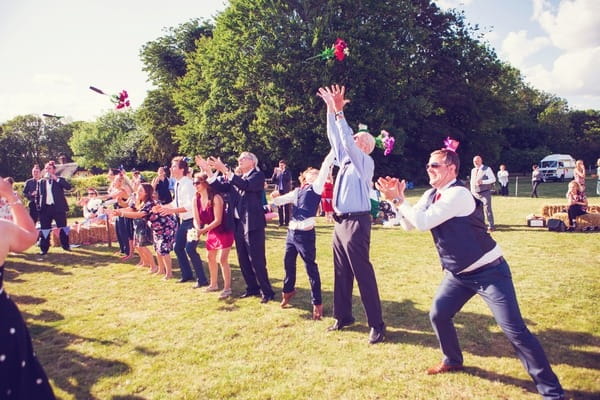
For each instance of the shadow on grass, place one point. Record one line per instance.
(525, 384)
(78, 372)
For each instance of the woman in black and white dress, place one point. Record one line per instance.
(21, 374)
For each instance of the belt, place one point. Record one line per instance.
(493, 264)
(186, 220)
(342, 216)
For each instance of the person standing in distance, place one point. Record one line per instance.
(482, 179)
(282, 178)
(53, 207)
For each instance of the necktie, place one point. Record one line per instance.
(437, 197)
(336, 189)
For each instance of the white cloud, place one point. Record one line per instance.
(572, 74)
(574, 24)
(572, 33)
(516, 47)
(446, 4)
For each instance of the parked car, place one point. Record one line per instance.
(557, 167)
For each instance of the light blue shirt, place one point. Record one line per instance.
(353, 181)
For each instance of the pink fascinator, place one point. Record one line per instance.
(451, 144)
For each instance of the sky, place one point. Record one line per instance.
(53, 51)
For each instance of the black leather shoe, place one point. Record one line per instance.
(182, 280)
(339, 325)
(377, 335)
(266, 299)
(249, 294)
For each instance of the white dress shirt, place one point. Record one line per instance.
(185, 194)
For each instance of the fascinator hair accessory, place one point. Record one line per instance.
(451, 144)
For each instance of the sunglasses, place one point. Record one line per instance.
(434, 165)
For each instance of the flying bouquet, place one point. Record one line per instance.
(120, 100)
(339, 50)
(386, 142)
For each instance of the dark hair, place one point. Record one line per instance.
(534, 166)
(202, 177)
(148, 191)
(282, 162)
(450, 157)
(10, 180)
(181, 164)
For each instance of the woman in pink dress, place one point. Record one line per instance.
(326, 198)
(209, 219)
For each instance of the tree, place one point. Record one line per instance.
(165, 61)
(30, 139)
(111, 141)
(413, 70)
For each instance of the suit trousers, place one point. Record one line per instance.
(250, 247)
(486, 198)
(351, 243)
(283, 213)
(183, 249)
(495, 286)
(303, 243)
(47, 215)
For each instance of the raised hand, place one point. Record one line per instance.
(216, 163)
(326, 95)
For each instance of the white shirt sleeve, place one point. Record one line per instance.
(455, 201)
(288, 198)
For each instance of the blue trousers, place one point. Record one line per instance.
(496, 288)
(183, 249)
(303, 243)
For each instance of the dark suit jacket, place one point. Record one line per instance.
(58, 192)
(246, 197)
(31, 185)
(283, 180)
(230, 199)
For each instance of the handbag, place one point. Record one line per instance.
(556, 225)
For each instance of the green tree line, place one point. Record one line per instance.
(243, 82)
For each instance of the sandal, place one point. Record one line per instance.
(212, 289)
(225, 294)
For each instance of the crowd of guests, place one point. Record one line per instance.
(226, 205)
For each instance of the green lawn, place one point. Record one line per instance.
(109, 330)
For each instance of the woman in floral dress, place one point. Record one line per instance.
(163, 226)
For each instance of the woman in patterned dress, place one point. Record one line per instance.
(21, 374)
(163, 226)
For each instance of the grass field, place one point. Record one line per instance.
(108, 330)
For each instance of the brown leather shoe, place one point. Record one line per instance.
(286, 297)
(442, 368)
(317, 311)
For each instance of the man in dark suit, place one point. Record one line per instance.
(31, 191)
(282, 178)
(249, 221)
(53, 206)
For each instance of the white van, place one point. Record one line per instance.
(557, 167)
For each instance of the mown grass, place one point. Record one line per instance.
(108, 330)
